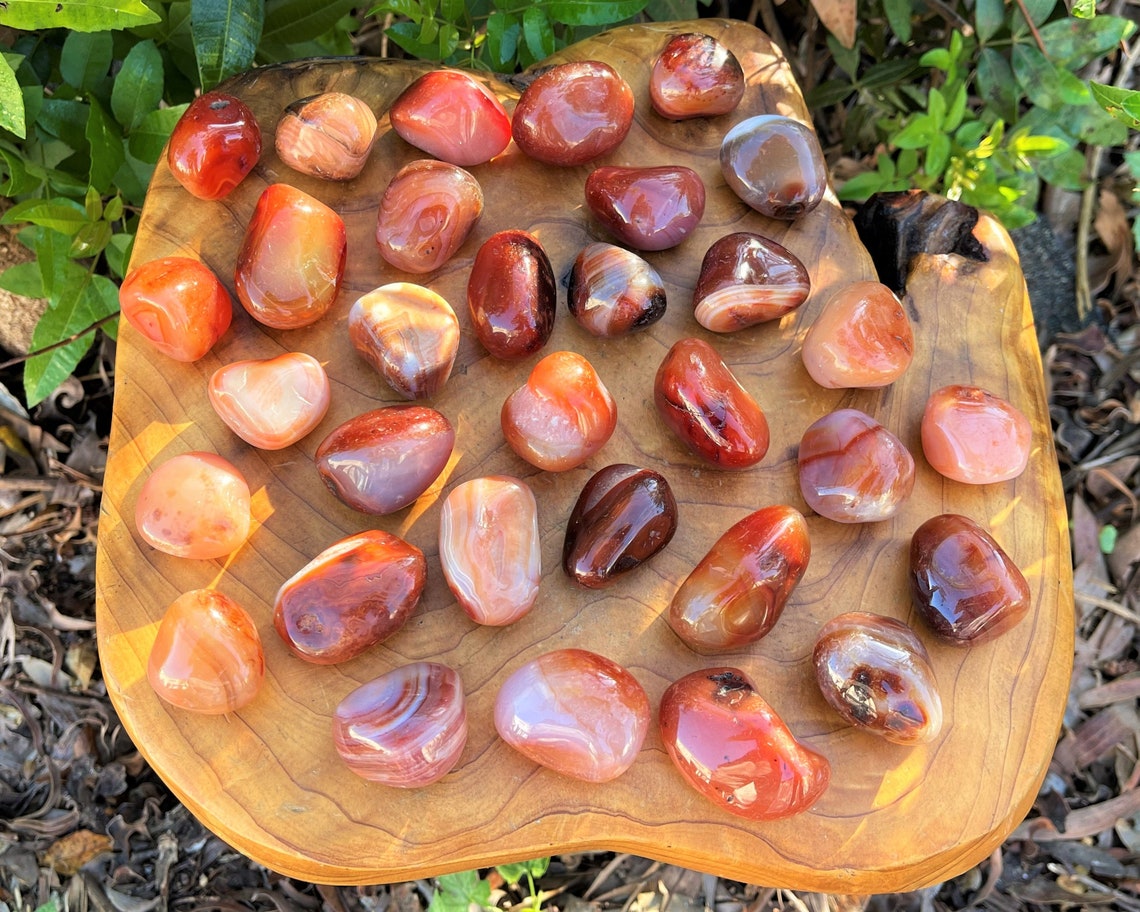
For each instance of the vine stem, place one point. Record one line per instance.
(1032, 25)
(60, 344)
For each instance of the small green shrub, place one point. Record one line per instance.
(466, 890)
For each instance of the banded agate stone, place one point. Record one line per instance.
(271, 403)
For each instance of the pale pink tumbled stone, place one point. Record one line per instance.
(971, 435)
(575, 712)
(489, 548)
(272, 403)
(405, 728)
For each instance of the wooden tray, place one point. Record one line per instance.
(268, 780)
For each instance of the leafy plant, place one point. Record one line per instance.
(466, 890)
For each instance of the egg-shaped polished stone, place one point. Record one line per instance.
(328, 135)
(612, 291)
(852, 469)
(194, 505)
(775, 165)
(695, 76)
(214, 145)
(861, 339)
(651, 208)
(511, 295)
(178, 305)
(453, 116)
(291, 261)
(701, 401)
(489, 548)
(575, 712)
(271, 403)
(738, 591)
(733, 748)
(353, 595)
(207, 655)
(409, 333)
(561, 416)
(426, 213)
(964, 584)
(405, 728)
(973, 436)
(573, 113)
(382, 460)
(623, 516)
(875, 672)
(747, 279)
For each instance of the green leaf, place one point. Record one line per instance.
(147, 141)
(1039, 11)
(133, 178)
(503, 31)
(939, 58)
(138, 87)
(538, 32)
(1106, 539)
(106, 148)
(1123, 104)
(1031, 144)
(90, 240)
(93, 204)
(996, 84)
(847, 59)
(225, 33)
(916, 134)
(899, 14)
(457, 892)
(86, 58)
(1084, 9)
(65, 119)
(937, 155)
(888, 73)
(514, 873)
(829, 93)
(59, 214)
(936, 108)
(674, 10)
(23, 279)
(291, 21)
(406, 35)
(118, 253)
(11, 100)
(862, 186)
(409, 9)
(593, 12)
(989, 17)
(1073, 43)
(113, 211)
(1043, 82)
(956, 110)
(77, 15)
(1066, 171)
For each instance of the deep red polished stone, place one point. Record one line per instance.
(207, 654)
(271, 403)
(561, 416)
(511, 295)
(350, 597)
(775, 165)
(730, 746)
(971, 435)
(623, 516)
(328, 135)
(575, 712)
(695, 76)
(738, 591)
(214, 145)
(405, 728)
(178, 305)
(291, 261)
(452, 116)
(426, 213)
(964, 585)
(612, 291)
(747, 279)
(573, 113)
(647, 208)
(875, 672)
(703, 403)
(852, 469)
(382, 460)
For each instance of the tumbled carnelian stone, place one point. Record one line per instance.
(271, 403)
(214, 145)
(695, 76)
(774, 164)
(178, 304)
(511, 295)
(328, 135)
(453, 116)
(971, 435)
(207, 654)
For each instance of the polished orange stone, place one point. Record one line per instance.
(327, 135)
(271, 403)
(178, 305)
(214, 145)
(774, 164)
(452, 116)
(971, 435)
(695, 76)
(207, 654)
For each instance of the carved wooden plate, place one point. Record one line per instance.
(268, 779)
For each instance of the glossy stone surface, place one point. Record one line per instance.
(852, 469)
(971, 435)
(561, 416)
(271, 403)
(409, 333)
(291, 261)
(575, 712)
(207, 654)
(405, 728)
(875, 672)
(426, 213)
(703, 403)
(647, 208)
(964, 585)
(775, 165)
(747, 279)
(178, 305)
(612, 291)
(214, 145)
(353, 595)
(695, 76)
(573, 113)
(452, 116)
(861, 339)
(623, 516)
(511, 295)
(328, 135)
(738, 591)
(489, 548)
(733, 748)
(194, 505)
(382, 460)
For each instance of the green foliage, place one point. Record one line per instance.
(77, 15)
(466, 890)
(226, 33)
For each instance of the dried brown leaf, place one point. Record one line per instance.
(1111, 225)
(1124, 689)
(67, 855)
(1085, 531)
(838, 17)
(1096, 737)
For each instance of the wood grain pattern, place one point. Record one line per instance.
(268, 779)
